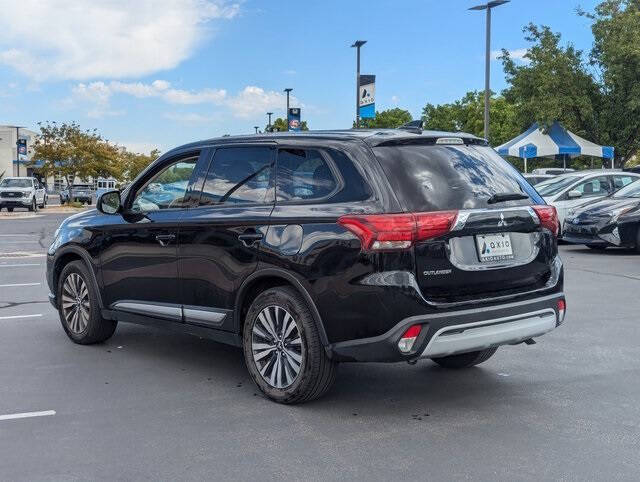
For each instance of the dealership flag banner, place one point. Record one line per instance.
(293, 119)
(367, 96)
(22, 147)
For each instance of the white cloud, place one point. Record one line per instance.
(75, 39)
(141, 147)
(394, 100)
(516, 54)
(248, 102)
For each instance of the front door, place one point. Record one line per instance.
(219, 239)
(139, 261)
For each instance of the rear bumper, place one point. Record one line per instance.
(455, 332)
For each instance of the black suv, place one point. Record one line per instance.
(311, 249)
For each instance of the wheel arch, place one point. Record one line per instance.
(269, 278)
(69, 254)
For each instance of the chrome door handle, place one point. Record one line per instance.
(165, 239)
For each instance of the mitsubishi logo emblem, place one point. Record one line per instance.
(502, 222)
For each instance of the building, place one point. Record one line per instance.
(9, 163)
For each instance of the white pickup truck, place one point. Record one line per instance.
(22, 192)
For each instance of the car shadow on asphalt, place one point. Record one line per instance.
(373, 386)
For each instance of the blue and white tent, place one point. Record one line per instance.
(557, 141)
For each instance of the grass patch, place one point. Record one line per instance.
(75, 204)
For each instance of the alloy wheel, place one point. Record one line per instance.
(276, 345)
(75, 303)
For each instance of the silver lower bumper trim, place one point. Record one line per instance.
(481, 335)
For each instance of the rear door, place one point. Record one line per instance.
(491, 249)
(220, 238)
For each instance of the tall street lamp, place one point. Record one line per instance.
(17, 128)
(287, 90)
(269, 124)
(357, 44)
(487, 60)
(256, 128)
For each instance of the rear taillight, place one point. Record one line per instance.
(407, 340)
(562, 308)
(380, 232)
(548, 217)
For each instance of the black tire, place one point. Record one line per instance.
(638, 241)
(316, 371)
(34, 206)
(10, 210)
(597, 248)
(465, 360)
(97, 329)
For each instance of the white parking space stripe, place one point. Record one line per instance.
(13, 416)
(20, 241)
(20, 284)
(14, 235)
(19, 265)
(15, 317)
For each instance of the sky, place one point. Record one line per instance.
(166, 72)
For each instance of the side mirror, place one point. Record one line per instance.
(109, 202)
(574, 194)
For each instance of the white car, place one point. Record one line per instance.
(22, 192)
(568, 191)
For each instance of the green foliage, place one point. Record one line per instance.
(134, 163)
(280, 125)
(616, 58)
(467, 115)
(553, 85)
(387, 119)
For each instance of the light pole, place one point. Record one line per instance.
(17, 128)
(256, 128)
(357, 44)
(287, 90)
(487, 60)
(269, 124)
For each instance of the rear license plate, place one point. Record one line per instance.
(494, 247)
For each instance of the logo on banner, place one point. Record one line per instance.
(22, 147)
(367, 96)
(293, 119)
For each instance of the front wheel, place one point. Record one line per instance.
(34, 206)
(282, 348)
(10, 210)
(78, 307)
(465, 360)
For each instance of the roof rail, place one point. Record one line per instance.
(413, 126)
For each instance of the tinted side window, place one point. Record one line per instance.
(597, 186)
(303, 174)
(165, 190)
(621, 181)
(239, 175)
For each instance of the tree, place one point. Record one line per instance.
(554, 85)
(68, 150)
(387, 119)
(280, 125)
(616, 58)
(134, 163)
(467, 115)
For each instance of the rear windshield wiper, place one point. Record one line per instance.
(506, 196)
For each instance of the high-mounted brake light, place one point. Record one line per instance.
(382, 232)
(405, 344)
(548, 217)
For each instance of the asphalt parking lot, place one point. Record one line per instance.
(155, 405)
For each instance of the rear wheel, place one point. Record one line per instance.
(78, 307)
(282, 348)
(465, 360)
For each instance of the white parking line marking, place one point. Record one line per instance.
(14, 317)
(19, 265)
(13, 235)
(13, 416)
(15, 285)
(16, 241)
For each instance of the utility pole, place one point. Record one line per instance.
(357, 44)
(287, 90)
(269, 124)
(256, 128)
(487, 59)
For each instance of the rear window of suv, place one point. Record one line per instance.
(437, 178)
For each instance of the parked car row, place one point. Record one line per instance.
(82, 193)
(596, 208)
